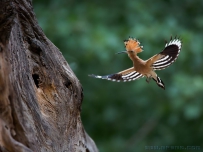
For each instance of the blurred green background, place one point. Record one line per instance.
(127, 117)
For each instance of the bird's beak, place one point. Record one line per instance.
(121, 52)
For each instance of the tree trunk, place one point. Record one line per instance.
(40, 97)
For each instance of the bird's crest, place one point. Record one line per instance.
(133, 44)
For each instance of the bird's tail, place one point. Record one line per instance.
(159, 82)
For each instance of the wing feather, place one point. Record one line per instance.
(123, 76)
(167, 56)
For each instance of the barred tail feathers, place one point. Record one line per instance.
(159, 82)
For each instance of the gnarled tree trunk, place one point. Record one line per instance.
(40, 97)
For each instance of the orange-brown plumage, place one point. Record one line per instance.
(146, 68)
(133, 45)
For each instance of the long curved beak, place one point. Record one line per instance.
(121, 52)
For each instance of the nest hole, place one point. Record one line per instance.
(36, 79)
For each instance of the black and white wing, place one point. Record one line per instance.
(168, 55)
(123, 76)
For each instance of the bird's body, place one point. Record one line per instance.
(146, 68)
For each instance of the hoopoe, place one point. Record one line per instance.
(145, 68)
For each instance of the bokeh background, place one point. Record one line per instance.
(129, 117)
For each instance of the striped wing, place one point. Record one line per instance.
(168, 55)
(123, 76)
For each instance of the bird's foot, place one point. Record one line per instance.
(148, 79)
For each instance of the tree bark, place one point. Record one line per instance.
(40, 97)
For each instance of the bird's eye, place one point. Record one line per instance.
(131, 51)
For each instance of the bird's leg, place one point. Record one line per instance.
(148, 79)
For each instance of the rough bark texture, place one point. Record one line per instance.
(40, 97)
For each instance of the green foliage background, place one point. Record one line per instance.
(126, 117)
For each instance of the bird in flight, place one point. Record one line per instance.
(145, 68)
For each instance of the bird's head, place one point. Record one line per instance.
(132, 46)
